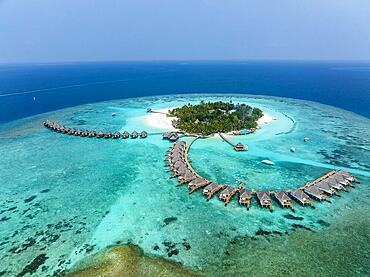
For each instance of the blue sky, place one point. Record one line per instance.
(106, 30)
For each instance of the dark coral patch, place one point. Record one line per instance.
(292, 217)
(29, 199)
(323, 223)
(34, 265)
(169, 220)
(299, 226)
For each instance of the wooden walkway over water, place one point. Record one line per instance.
(325, 186)
(236, 146)
(54, 126)
(226, 139)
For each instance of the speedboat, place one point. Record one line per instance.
(268, 162)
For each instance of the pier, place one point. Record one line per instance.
(320, 189)
(237, 147)
(54, 126)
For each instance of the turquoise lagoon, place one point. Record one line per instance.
(66, 198)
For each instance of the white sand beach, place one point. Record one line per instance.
(160, 120)
(265, 119)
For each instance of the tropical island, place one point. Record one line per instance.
(209, 118)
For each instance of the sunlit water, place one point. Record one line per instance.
(64, 198)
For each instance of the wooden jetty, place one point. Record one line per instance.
(91, 133)
(237, 147)
(319, 189)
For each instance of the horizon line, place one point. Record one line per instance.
(186, 61)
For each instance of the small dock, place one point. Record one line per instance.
(237, 147)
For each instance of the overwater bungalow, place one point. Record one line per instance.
(125, 135)
(61, 129)
(228, 193)
(143, 134)
(211, 189)
(174, 137)
(283, 199)
(78, 132)
(177, 164)
(240, 147)
(84, 133)
(341, 180)
(323, 186)
(100, 134)
(71, 132)
(187, 177)
(348, 176)
(180, 170)
(197, 184)
(66, 130)
(334, 184)
(92, 134)
(315, 193)
(264, 198)
(301, 197)
(166, 135)
(116, 135)
(245, 196)
(134, 135)
(107, 134)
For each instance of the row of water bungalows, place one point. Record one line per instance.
(319, 190)
(91, 133)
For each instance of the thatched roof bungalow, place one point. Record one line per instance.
(143, 134)
(197, 184)
(100, 134)
(301, 197)
(315, 193)
(108, 134)
(92, 134)
(283, 199)
(228, 193)
(211, 189)
(264, 198)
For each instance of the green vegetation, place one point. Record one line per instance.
(213, 117)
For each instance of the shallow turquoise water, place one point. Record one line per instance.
(64, 198)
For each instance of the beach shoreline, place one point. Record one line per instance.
(160, 120)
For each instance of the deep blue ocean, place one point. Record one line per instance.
(35, 88)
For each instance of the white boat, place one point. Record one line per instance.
(292, 149)
(113, 114)
(306, 139)
(268, 162)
